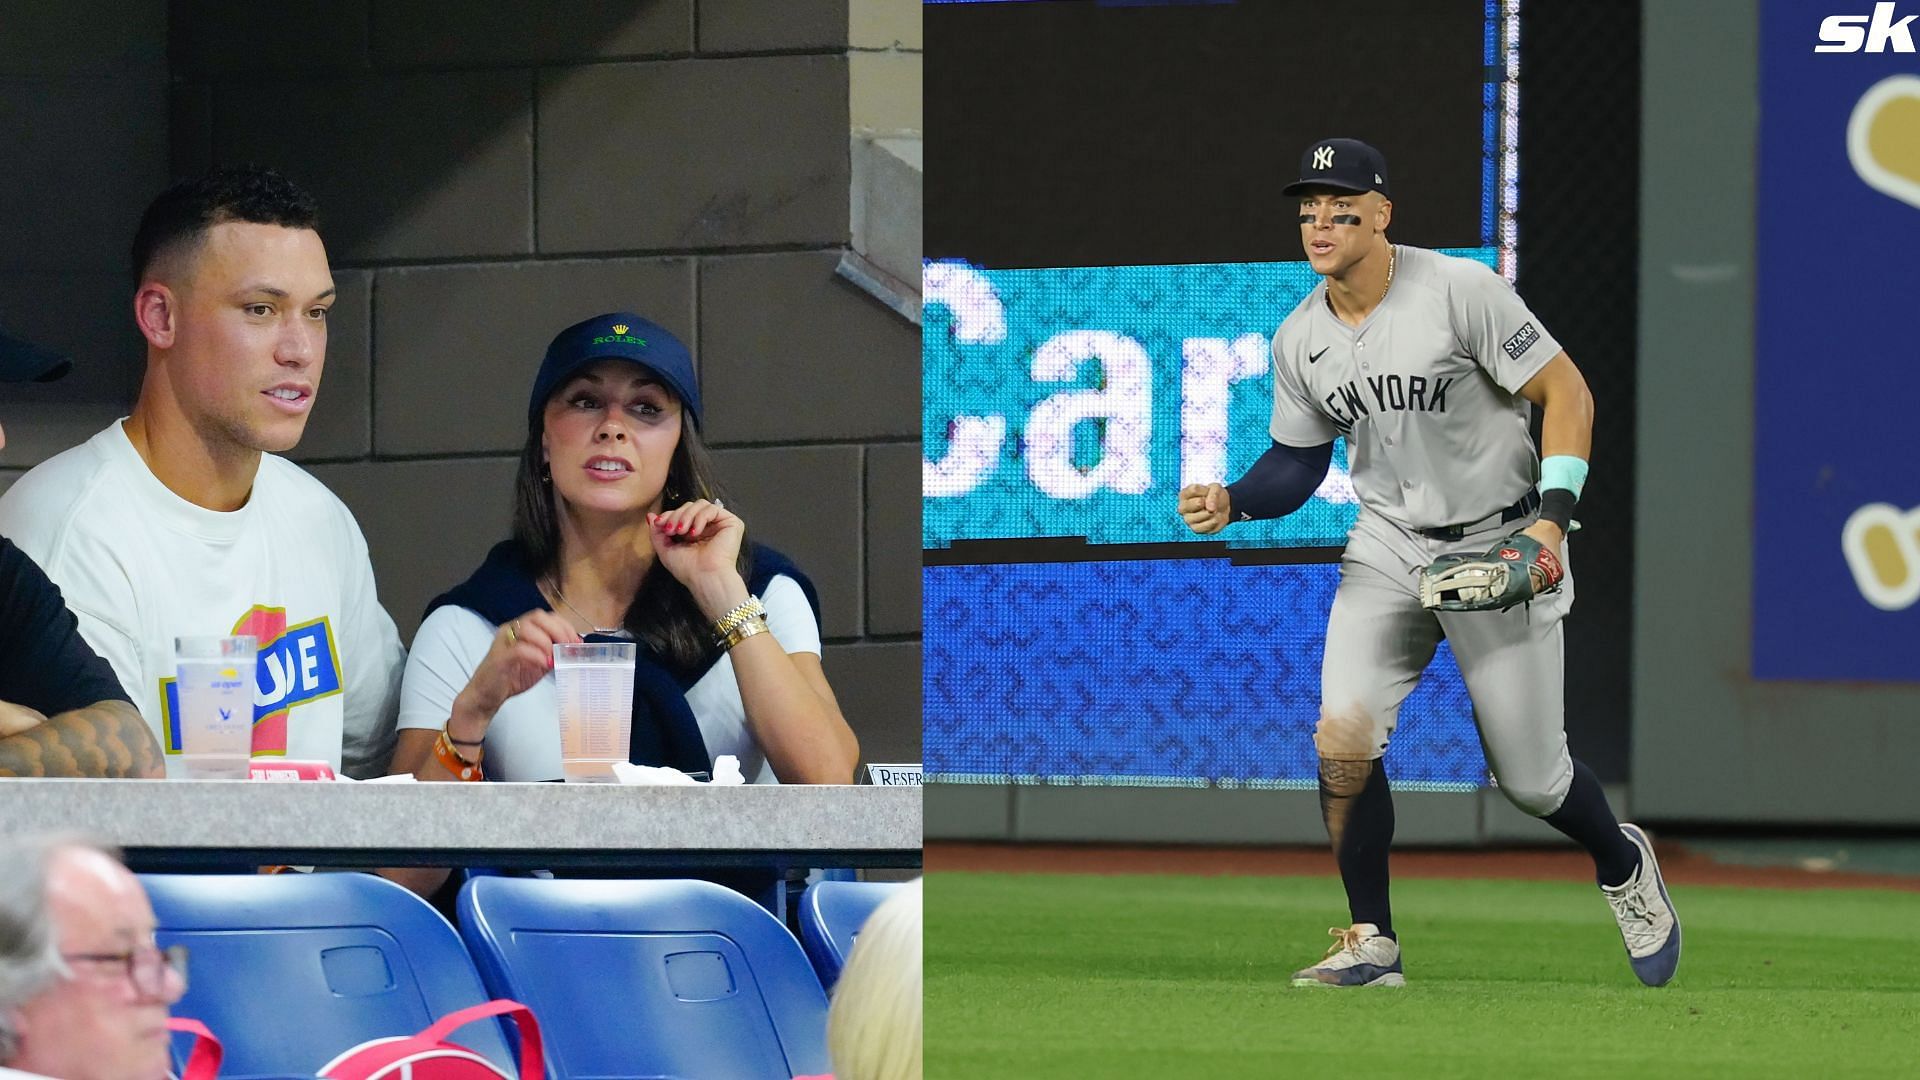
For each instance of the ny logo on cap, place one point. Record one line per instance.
(1323, 158)
(619, 328)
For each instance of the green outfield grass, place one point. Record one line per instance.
(1041, 975)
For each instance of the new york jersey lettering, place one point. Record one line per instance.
(1386, 393)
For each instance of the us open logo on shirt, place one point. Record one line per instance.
(1521, 341)
(298, 664)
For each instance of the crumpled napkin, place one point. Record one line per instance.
(726, 773)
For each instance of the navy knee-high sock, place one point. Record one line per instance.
(1358, 810)
(1586, 817)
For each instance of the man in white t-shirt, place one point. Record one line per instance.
(178, 520)
(84, 992)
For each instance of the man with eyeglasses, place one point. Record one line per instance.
(84, 991)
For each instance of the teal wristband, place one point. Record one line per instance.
(1563, 471)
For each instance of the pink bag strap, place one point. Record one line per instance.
(204, 1062)
(532, 1062)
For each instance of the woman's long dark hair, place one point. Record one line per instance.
(663, 616)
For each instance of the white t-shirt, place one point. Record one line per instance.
(16, 1074)
(523, 742)
(140, 566)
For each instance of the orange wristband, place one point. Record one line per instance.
(450, 759)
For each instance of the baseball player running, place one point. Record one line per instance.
(1426, 365)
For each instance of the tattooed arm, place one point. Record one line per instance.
(107, 738)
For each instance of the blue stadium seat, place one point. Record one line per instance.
(290, 969)
(831, 915)
(649, 978)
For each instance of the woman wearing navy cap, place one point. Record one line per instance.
(620, 533)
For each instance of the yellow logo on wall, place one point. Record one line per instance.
(1882, 546)
(619, 328)
(1883, 137)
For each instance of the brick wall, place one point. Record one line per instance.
(490, 171)
(884, 54)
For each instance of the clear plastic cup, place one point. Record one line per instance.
(215, 680)
(596, 707)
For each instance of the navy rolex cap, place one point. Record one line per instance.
(23, 361)
(1342, 164)
(621, 335)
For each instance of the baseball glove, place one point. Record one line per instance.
(1514, 571)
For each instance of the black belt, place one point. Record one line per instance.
(1528, 504)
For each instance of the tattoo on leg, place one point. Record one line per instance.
(1340, 783)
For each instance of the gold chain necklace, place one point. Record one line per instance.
(554, 584)
(1393, 256)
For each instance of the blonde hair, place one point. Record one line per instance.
(873, 1028)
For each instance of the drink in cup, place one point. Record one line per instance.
(214, 682)
(596, 707)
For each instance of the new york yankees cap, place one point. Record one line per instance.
(620, 335)
(1342, 164)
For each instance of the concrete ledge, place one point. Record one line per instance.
(510, 824)
(903, 298)
(886, 216)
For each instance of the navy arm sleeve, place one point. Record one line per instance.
(45, 664)
(1280, 481)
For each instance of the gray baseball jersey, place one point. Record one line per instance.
(1426, 390)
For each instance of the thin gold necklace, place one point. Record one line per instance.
(1393, 256)
(554, 584)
